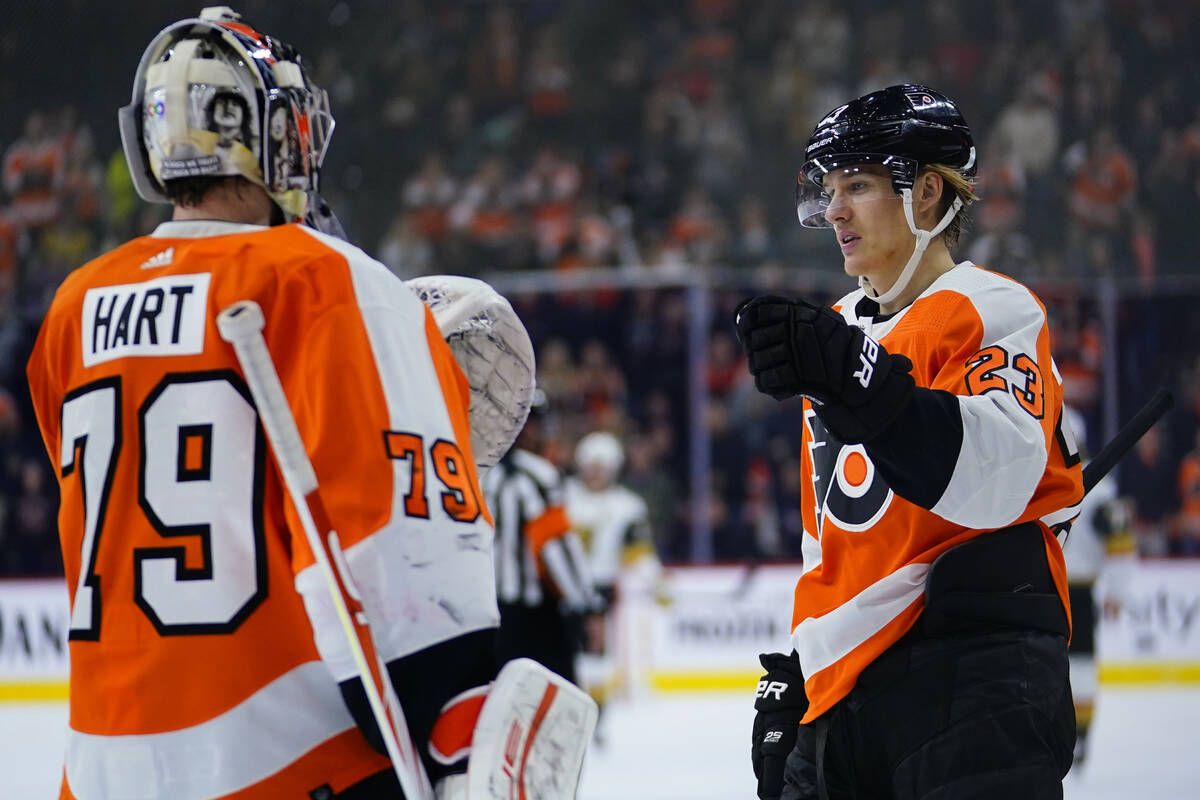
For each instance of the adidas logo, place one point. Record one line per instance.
(159, 259)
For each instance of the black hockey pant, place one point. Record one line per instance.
(981, 715)
(542, 633)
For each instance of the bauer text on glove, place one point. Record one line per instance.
(780, 702)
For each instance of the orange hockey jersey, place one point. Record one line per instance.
(205, 651)
(984, 339)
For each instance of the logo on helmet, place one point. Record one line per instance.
(919, 100)
(820, 143)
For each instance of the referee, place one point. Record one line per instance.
(543, 584)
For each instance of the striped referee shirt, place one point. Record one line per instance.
(536, 549)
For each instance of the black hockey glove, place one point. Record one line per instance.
(780, 702)
(794, 347)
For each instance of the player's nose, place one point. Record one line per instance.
(837, 211)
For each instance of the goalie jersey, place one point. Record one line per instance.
(998, 455)
(205, 652)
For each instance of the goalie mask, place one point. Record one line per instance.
(213, 97)
(901, 129)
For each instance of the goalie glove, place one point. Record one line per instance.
(493, 350)
(524, 735)
(794, 347)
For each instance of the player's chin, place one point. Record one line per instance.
(854, 265)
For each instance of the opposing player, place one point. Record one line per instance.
(543, 581)
(930, 623)
(1100, 555)
(206, 658)
(615, 528)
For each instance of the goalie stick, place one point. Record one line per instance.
(1120, 444)
(241, 325)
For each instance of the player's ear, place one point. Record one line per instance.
(932, 186)
(927, 191)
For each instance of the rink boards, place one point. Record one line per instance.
(705, 634)
(721, 618)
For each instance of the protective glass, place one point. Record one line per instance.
(813, 199)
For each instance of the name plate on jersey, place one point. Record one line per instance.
(161, 317)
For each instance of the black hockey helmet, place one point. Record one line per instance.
(903, 128)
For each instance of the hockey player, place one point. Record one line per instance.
(930, 623)
(542, 577)
(207, 659)
(615, 527)
(1099, 553)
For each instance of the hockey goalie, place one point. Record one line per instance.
(273, 538)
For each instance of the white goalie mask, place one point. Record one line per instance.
(214, 97)
(493, 349)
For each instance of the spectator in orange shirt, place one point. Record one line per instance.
(1100, 198)
(428, 196)
(486, 212)
(1103, 183)
(33, 173)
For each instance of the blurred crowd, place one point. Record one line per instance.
(489, 136)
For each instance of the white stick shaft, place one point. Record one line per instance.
(241, 325)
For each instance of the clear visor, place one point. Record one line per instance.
(857, 177)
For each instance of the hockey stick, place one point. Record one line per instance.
(241, 325)
(1116, 449)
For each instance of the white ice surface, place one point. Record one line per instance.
(696, 747)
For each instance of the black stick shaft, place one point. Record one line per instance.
(1116, 449)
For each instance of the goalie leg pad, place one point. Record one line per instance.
(531, 737)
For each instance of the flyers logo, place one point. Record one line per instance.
(849, 491)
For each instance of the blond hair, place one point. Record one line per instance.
(961, 187)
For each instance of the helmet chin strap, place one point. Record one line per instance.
(923, 239)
